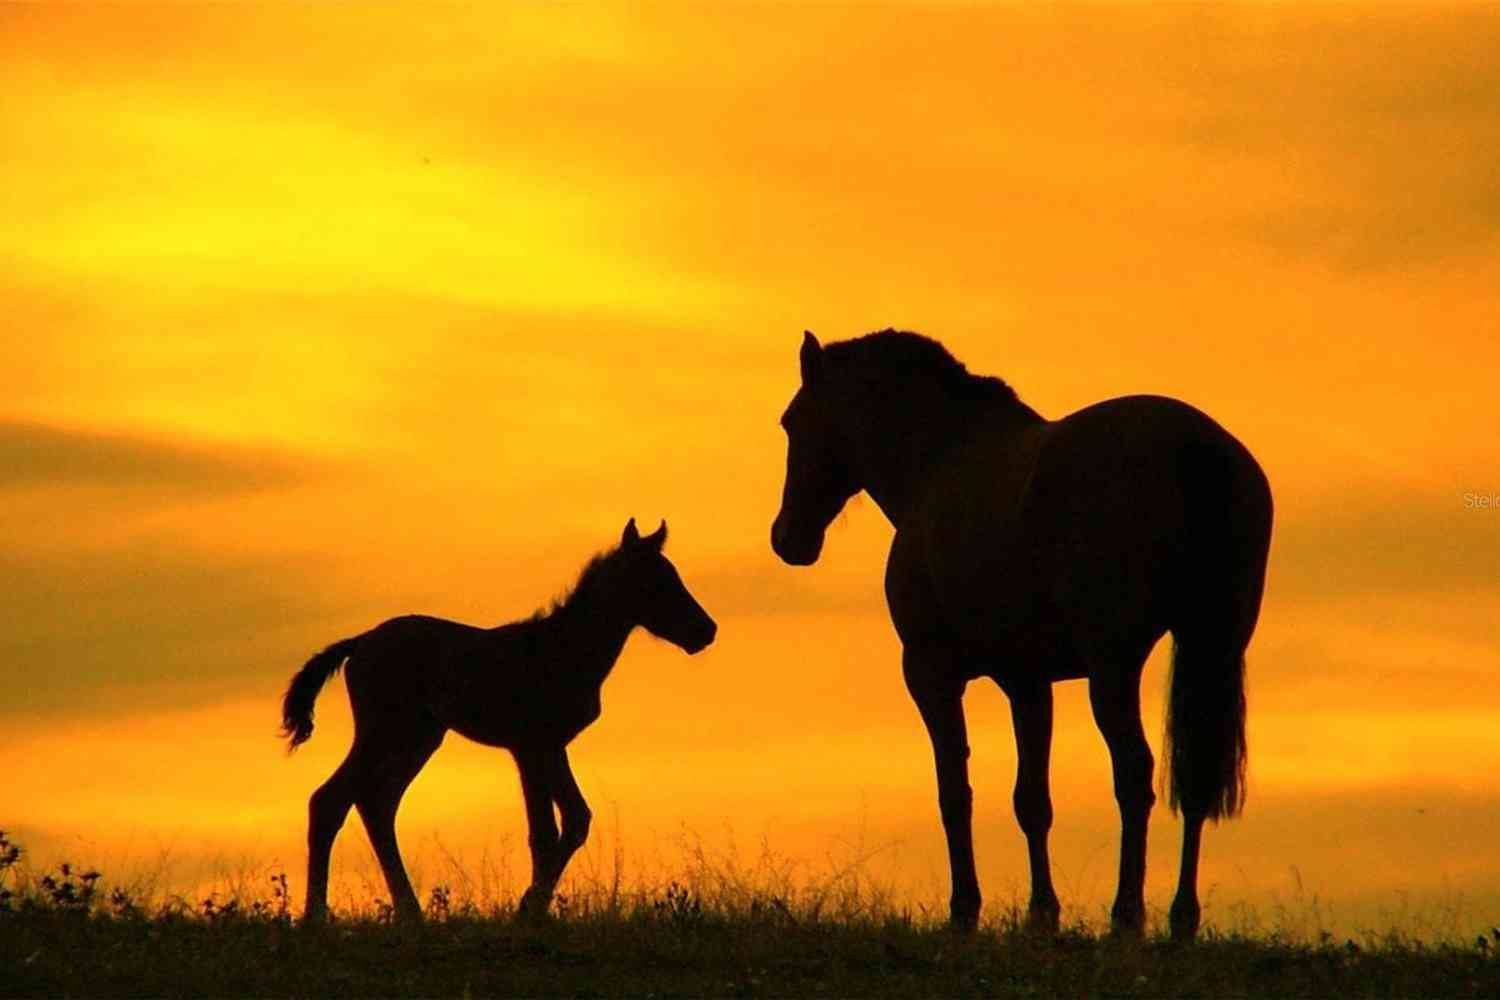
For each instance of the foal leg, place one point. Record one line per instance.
(537, 789)
(1116, 699)
(576, 814)
(1031, 715)
(326, 811)
(383, 784)
(938, 692)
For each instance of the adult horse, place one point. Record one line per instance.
(529, 687)
(1032, 551)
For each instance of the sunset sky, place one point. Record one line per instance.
(316, 315)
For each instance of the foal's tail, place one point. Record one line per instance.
(297, 705)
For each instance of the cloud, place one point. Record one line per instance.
(1399, 542)
(149, 626)
(1359, 142)
(37, 455)
(117, 593)
(114, 597)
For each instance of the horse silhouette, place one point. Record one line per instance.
(529, 687)
(1033, 551)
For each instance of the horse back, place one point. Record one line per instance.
(1076, 537)
(490, 685)
(402, 660)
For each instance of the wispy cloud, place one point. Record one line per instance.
(1395, 542)
(34, 454)
(151, 627)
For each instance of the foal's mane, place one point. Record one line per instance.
(583, 587)
(902, 352)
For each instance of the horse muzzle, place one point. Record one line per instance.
(792, 550)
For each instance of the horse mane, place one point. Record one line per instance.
(583, 587)
(903, 352)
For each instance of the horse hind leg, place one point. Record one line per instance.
(1229, 533)
(1114, 695)
(1206, 735)
(1205, 749)
(326, 811)
(385, 781)
(1186, 911)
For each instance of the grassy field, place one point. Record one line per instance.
(65, 933)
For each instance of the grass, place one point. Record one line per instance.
(63, 934)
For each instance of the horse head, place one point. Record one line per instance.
(818, 479)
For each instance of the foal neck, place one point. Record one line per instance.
(588, 632)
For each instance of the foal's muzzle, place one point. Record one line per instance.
(703, 639)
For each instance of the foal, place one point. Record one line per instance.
(529, 687)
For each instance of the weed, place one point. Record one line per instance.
(440, 903)
(123, 906)
(70, 891)
(679, 907)
(10, 857)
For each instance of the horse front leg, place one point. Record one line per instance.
(938, 690)
(542, 836)
(1031, 715)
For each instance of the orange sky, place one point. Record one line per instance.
(315, 316)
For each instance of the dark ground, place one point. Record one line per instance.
(65, 934)
(675, 950)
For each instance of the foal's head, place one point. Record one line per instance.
(653, 593)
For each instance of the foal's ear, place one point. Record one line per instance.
(658, 538)
(631, 536)
(812, 358)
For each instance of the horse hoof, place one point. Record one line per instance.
(534, 908)
(1184, 932)
(1043, 920)
(963, 923)
(1132, 928)
(1184, 920)
(964, 926)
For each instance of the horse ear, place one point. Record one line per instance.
(812, 358)
(631, 536)
(658, 538)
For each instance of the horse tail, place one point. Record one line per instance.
(1229, 535)
(297, 704)
(1206, 749)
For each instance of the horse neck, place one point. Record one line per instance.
(908, 437)
(589, 633)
